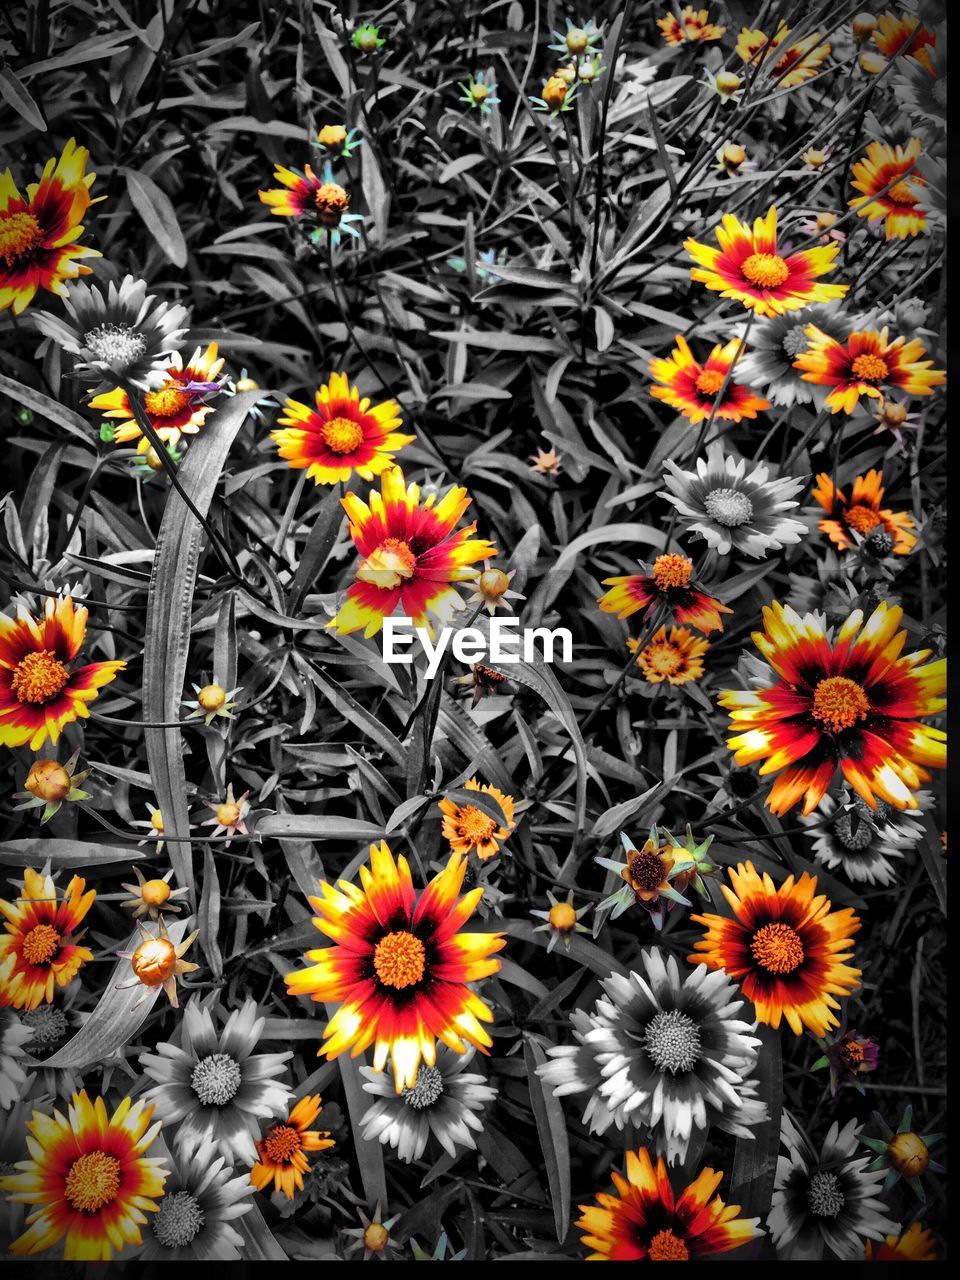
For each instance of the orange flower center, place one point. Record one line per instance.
(375, 1237)
(646, 869)
(672, 571)
(480, 92)
(902, 193)
(332, 203)
(154, 961)
(166, 402)
(839, 703)
(40, 944)
(155, 893)
(228, 815)
(777, 948)
(39, 677)
(710, 381)
(399, 960)
(664, 658)
(341, 435)
(563, 916)
(852, 1053)
(93, 1182)
(281, 1144)
(475, 825)
(666, 1247)
(20, 235)
(766, 270)
(392, 563)
(863, 519)
(869, 367)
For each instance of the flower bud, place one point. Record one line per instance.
(48, 780)
(154, 960)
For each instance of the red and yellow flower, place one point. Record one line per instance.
(785, 947)
(90, 1178)
(41, 687)
(342, 435)
(283, 1149)
(41, 936)
(917, 1244)
(903, 32)
(692, 26)
(646, 1221)
(789, 66)
(895, 168)
(398, 968)
(306, 193)
(174, 409)
(861, 513)
(677, 660)
(411, 555)
(749, 267)
(669, 582)
(468, 827)
(40, 236)
(852, 703)
(867, 364)
(692, 387)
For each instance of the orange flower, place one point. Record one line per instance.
(851, 703)
(670, 582)
(785, 947)
(748, 266)
(917, 1244)
(412, 555)
(896, 33)
(398, 967)
(792, 66)
(467, 827)
(677, 660)
(692, 387)
(173, 408)
(282, 1149)
(40, 236)
(693, 25)
(41, 689)
(894, 167)
(868, 364)
(90, 1177)
(646, 1221)
(862, 513)
(42, 939)
(342, 435)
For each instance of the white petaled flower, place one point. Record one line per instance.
(127, 335)
(774, 343)
(734, 506)
(825, 1202)
(213, 1086)
(13, 1036)
(201, 1198)
(859, 841)
(665, 1052)
(444, 1101)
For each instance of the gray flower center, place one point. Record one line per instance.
(794, 341)
(216, 1079)
(851, 839)
(672, 1040)
(426, 1090)
(878, 815)
(116, 345)
(49, 1025)
(729, 507)
(178, 1220)
(824, 1197)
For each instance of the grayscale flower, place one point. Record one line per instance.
(444, 1101)
(201, 1199)
(859, 841)
(734, 506)
(774, 343)
(213, 1086)
(920, 92)
(126, 335)
(665, 1052)
(13, 1036)
(825, 1202)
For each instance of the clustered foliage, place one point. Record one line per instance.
(658, 292)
